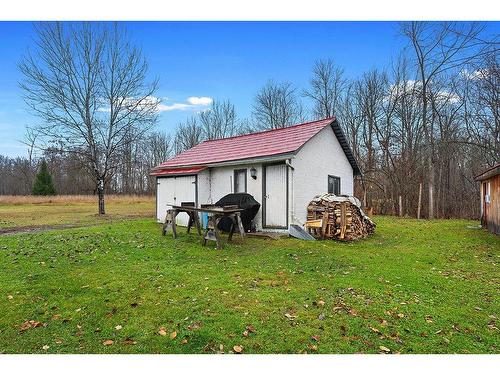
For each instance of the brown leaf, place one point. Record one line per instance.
(195, 325)
(312, 347)
(353, 312)
(401, 315)
(374, 329)
(129, 341)
(250, 328)
(173, 335)
(245, 333)
(238, 349)
(162, 331)
(321, 303)
(315, 338)
(108, 342)
(384, 349)
(184, 341)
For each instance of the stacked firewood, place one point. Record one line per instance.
(341, 218)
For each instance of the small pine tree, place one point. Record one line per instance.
(43, 182)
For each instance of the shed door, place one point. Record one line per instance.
(175, 190)
(275, 196)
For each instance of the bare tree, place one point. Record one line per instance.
(438, 48)
(187, 135)
(219, 121)
(327, 87)
(88, 84)
(277, 106)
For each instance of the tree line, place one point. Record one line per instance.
(420, 129)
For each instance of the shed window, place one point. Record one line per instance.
(240, 181)
(334, 185)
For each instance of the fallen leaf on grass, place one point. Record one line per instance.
(428, 319)
(118, 327)
(312, 347)
(45, 347)
(238, 349)
(108, 342)
(315, 338)
(401, 315)
(195, 325)
(384, 349)
(320, 303)
(129, 341)
(10, 297)
(290, 316)
(353, 312)
(245, 333)
(374, 329)
(173, 335)
(251, 328)
(184, 341)
(162, 331)
(58, 341)
(31, 324)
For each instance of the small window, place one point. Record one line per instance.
(240, 181)
(334, 185)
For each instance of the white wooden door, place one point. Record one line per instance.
(276, 195)
(175, 190)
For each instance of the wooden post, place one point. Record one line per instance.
(400, 206)
(419, 200)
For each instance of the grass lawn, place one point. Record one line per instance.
(21, 212)
(121, 287)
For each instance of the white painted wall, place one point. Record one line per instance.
(321, 156)
(214, 183)
(174, 190)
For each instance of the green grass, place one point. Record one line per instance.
(413, 287)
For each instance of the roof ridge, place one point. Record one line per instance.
(268, 130)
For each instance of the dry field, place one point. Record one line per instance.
(24, 212)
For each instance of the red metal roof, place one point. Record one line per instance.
(254, 145)
(176, 171)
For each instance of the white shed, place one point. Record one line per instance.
(283, 169)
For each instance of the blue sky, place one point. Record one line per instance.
(216, 60)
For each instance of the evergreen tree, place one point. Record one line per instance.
(43, 182)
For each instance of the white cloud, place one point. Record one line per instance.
(200, 100)
(193, 103)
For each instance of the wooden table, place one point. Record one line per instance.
(215, 215)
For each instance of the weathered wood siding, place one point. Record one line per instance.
(491, 210)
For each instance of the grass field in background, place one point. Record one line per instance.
(31, 211)
(121, 287)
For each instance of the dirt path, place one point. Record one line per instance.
(16, 230)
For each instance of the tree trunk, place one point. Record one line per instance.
(431, 189)
(100, 193)
(419, 200)
(400, 206)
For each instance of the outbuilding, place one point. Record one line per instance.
(283, 169)
(490, 198)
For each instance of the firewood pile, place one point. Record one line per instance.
(338, 217)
